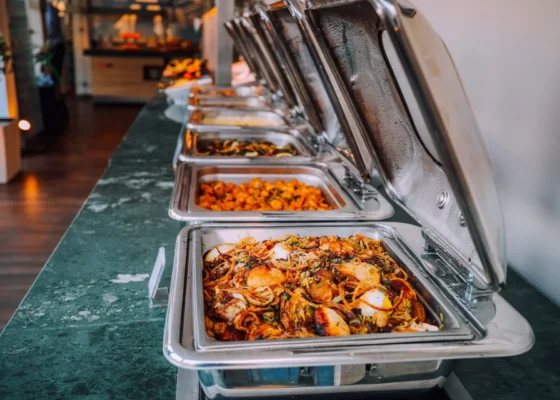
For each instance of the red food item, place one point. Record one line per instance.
(400, 285)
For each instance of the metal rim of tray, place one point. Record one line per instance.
(456, 328)
(179, 208)
(191, 155)
(508, 333)
(196, 113)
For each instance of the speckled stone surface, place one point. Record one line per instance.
(85, 329)
(152, 138)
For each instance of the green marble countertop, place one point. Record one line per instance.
(85, 329)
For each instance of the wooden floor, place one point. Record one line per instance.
(37, 207)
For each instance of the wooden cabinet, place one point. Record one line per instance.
(124, 79)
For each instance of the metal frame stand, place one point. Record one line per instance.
(188, 387)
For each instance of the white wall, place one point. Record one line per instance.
(35, 27)
(8, 99)
(82, 63)
(508, 56)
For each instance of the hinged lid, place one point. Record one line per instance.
(398, 95)
(265, 43)
(302, 72)
(254, 48)
(241, 46)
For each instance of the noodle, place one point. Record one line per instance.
(296, 287)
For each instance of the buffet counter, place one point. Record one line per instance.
(128, 76)
(86, 327)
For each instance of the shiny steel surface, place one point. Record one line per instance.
(347, 204)
(415, 165)
(268, 48)
(237, 102)
(303, 71)
(244, 48)
(212, 90)
(507, 333)
(202, 240)
(254, 48)
(194, 139)
(196, 119)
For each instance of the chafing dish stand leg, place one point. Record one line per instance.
(188, 387)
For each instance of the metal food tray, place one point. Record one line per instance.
(437, 307)
(235, 102)
(193, 138)
(240, 91)
(506, 333)
(197, 117)
(345, 203)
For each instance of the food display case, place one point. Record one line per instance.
(381, 104)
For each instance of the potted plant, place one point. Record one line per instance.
(5, 55)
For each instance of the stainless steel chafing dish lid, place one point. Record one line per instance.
(242, 47)
(302, 72)
(193, 140)
(248, 42)
(266, 57)
(400, 98)
(347, 203)
(262, 37)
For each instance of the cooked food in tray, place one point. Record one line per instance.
(250, 148)
(308, 286)
(188, 68)
(258, 195)
(208, 90)
(240, 120)
(221, 92)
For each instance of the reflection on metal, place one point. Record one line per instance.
(347, 35)
(442, 199)
(224, 46)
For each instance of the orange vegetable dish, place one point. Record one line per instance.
(258, 195)
(296, 287)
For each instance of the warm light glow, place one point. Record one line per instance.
(31, 188)
(147, 1)
(135, 7)
(153, 8)
(24, 125)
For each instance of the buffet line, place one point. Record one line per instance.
(291, 277)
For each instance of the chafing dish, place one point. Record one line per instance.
(193, 140)
(237, 102)
(347, 200)
(231, 119)
(303, 75)
(504, 333)
(452, 327)
(404, 115)
(237, 91)
(265, 46)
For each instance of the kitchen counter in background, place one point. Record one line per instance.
(128, 76)
(141, 53)
(85, 328)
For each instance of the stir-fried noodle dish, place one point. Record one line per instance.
(296, 287)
